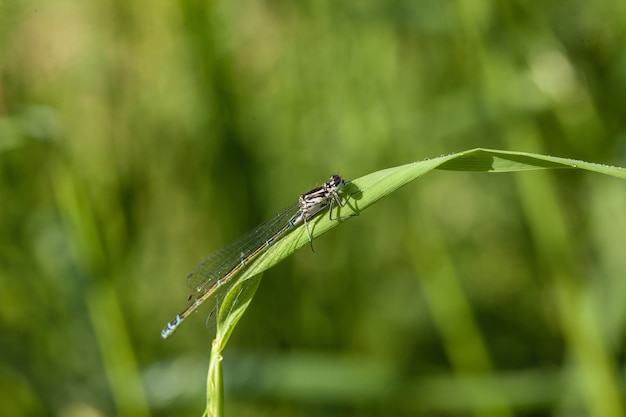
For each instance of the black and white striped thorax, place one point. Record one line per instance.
(326, 195)
(319, 199)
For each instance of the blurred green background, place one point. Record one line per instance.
(137, 137)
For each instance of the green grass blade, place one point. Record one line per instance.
(365, 191)
(492, 160)
(230, 312)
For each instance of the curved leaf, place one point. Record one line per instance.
(365, 191)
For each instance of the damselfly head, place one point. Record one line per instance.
(336, 182)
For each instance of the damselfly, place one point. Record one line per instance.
(217, 271)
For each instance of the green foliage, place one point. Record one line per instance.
(138, 137)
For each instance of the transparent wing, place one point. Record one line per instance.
(216, 265)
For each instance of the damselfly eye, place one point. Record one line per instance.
(336, 180)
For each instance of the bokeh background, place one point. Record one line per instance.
(137, 137)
